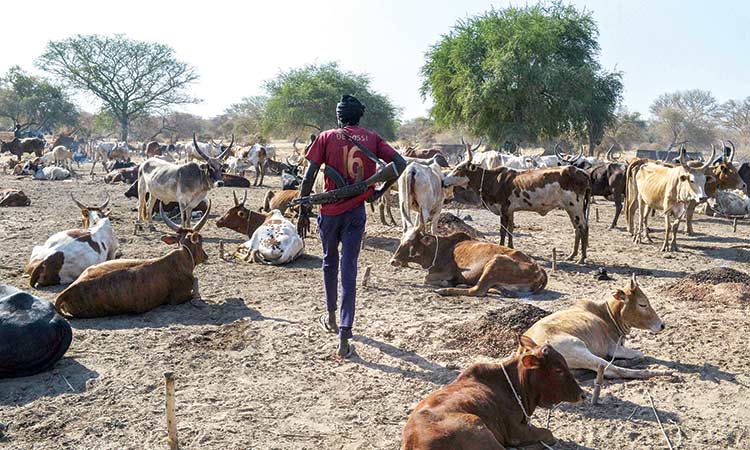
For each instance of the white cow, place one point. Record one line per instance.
(424, 188)
(275, 242)
(51, 173)
(730, 202)
(66, 254)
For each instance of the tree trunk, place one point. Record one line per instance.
(124, 125)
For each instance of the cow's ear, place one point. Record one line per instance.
(620, 295)
(169, 239)
(530, 361)
(526, 342)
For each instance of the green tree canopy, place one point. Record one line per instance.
(33, 102)
(305, 98)
(131, 78)
(522, 74)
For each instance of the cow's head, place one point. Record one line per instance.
(187, 238)
(543, 371)
(634, 309)
(691, 181)
(90, 215)
(570, 160)
(213, 166)
(449, 182)
(241, 219)
(467, 165)
(417, 247)
(726, 173)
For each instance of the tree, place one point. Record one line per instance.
(627, 129)
(30, 101)
(734, 115)
(131, 78)
(521, 74)
(684, 117)
(306, 98)
(244, 118)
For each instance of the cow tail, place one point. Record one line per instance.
(406, 200)
(267, 201)
(630, 195)
(142, 198)
(587, 203)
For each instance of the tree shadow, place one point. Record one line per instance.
(431, 372)
(196, 312)
(388, 244)
(68, 376)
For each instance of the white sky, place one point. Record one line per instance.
(660, 45)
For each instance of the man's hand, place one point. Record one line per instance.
(377, 194)
(303, 221)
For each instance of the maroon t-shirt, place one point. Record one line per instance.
(333, 149)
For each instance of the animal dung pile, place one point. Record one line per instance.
(235, 336)
(495, 334)
(449, 223)
(718, 285)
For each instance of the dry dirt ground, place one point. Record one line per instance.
(253, 370)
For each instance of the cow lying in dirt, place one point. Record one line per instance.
(132, 286)
(33, 337)
(241, 219)
(458, 259)
(275, 242)
(480, 410)
(13, 197)
(589, 334)
(66, 254)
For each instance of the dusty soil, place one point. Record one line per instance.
(253, 370)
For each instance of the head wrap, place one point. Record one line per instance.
(349, 110)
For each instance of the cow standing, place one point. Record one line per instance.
(504, 191)
(187, 184)
(18, 146)
(489, 406)
(66, 254)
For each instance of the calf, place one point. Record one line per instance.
(63, 157)
(505, 191)
(459, 259)
(66, 254)
(275, 242)
(235, 181)
(589, 334)
(279, 200)
(134, 286)
(489, 406)
(13, 197)
(424, 189)
(241, 219)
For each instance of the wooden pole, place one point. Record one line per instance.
(596, 213)
(598, 384)
(364, 237)
(171, 420)
(221, 250)
(554, 259)
(734, 225)
(366, 277)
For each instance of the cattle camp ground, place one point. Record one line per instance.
(253, 370)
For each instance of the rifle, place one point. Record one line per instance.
(388, 172)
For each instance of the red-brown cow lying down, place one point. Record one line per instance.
(588, 334)
(241, 219)
(458, 259)
(127, 286)
(479, 410)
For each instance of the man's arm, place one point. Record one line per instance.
(303, 221)
(388, 154)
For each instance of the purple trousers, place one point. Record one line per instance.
(346, 229)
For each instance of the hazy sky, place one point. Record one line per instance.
(660, 45)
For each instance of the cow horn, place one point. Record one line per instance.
(294, 145)
(198, 150)
(683, 156)
(244, 198)
(203, 220)
(236, 203)
(104, 205)
(731, 155)
(463, 142)
(172, 226)
(481, 140)
(609, 153)
(710, 159)
(78, 204)
(225, 153)
(560, 155)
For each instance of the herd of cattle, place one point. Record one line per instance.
(489, 405)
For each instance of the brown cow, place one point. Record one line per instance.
(421, 153)
(131, 286)
(123, 175)
(153, 149)
(481, 409)
(241, 219)
(504, 191)
(18, 146)
(279, 200)
(13, 197)
(458, 259)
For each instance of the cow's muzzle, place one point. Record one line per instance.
(657, 327)
(219, 183)
(396, 263)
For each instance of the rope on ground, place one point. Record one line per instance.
(658, 420)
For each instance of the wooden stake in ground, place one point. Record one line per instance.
(221, 250)
(734, 225)
(171, 420)
(596, 213)
(364, 237)
(366, 276)
(554, 259)
(598, 384)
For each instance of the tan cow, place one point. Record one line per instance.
(589, 334)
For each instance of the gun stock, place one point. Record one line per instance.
(352, 190)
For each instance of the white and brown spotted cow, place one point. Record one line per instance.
(275, 242)
(66, 254)
(505, 191)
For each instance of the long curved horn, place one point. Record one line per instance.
(203, 220)
(481, 139)
(560, 155)
(578, 156)
(244, 198)
(463, 142)
(198, 149)
(710, 159)
(609, 153)
(172, 226)
(104, 205)
(78, 204)
(294, 145)
(236, 203)
(731, 155)
(683, 156)
(225, 153)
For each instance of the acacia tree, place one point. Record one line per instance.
(29, 101)
(521, 74)
(734, 115)
(627, 129)
(131, 78)
(304, 98)
(684, 116)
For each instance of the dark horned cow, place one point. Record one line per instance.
(18, 146)
(608, 181)
(504, 191)
(481, 409)
(187, 184)
(133, 286)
